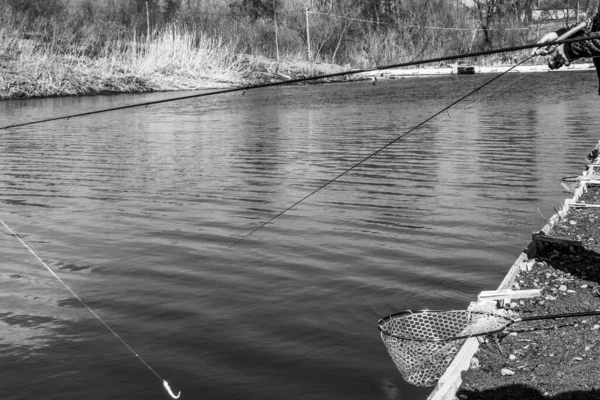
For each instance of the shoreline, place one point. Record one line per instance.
(63, 78)
(551, 358)
(473, 69)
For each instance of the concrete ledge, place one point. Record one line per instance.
(467, 69)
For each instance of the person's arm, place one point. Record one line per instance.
(565, 53)
(585, 48)
(597, 64)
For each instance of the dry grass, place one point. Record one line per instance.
(174, 59)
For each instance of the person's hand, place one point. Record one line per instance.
(559, 58)
(544, 51)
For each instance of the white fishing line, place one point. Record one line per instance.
(165, 383)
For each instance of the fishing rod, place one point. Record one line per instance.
(559, 41)
(548, 46)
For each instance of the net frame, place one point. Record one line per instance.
(422, 344)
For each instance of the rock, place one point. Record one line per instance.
(571, 291)
(595, 327)
(584, 286)
(517, 286)
(474, 363)
(462, 397)
(507, 372)
(562, 288)
(577, 359)
(572, 222)
(550, 298)
(512, 357)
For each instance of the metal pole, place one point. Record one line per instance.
(307, 35)
(275, 21)
(147, 23)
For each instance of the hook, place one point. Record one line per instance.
(166, 385)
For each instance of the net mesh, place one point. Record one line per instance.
(424, 344)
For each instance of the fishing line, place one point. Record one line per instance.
(306, 79)
(165, 383)
(373, 154)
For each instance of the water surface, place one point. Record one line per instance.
(136, 210)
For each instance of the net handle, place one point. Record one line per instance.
(509, 321)
(556, 316)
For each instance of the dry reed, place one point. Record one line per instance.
(174, 59)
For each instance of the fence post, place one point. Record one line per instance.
(275, 21)
(307, 35)
(147, 23)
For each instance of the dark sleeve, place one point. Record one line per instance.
(597, 65)
(586, 48)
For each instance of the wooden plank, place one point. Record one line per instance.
(584, 205)
(507, 294)
(451, 380)
(513, 272)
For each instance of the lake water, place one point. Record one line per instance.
(136, 212)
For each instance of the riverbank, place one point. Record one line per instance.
(175, 60)
(556, 358)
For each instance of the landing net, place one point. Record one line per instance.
(422, 344)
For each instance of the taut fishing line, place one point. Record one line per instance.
(165, 383)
